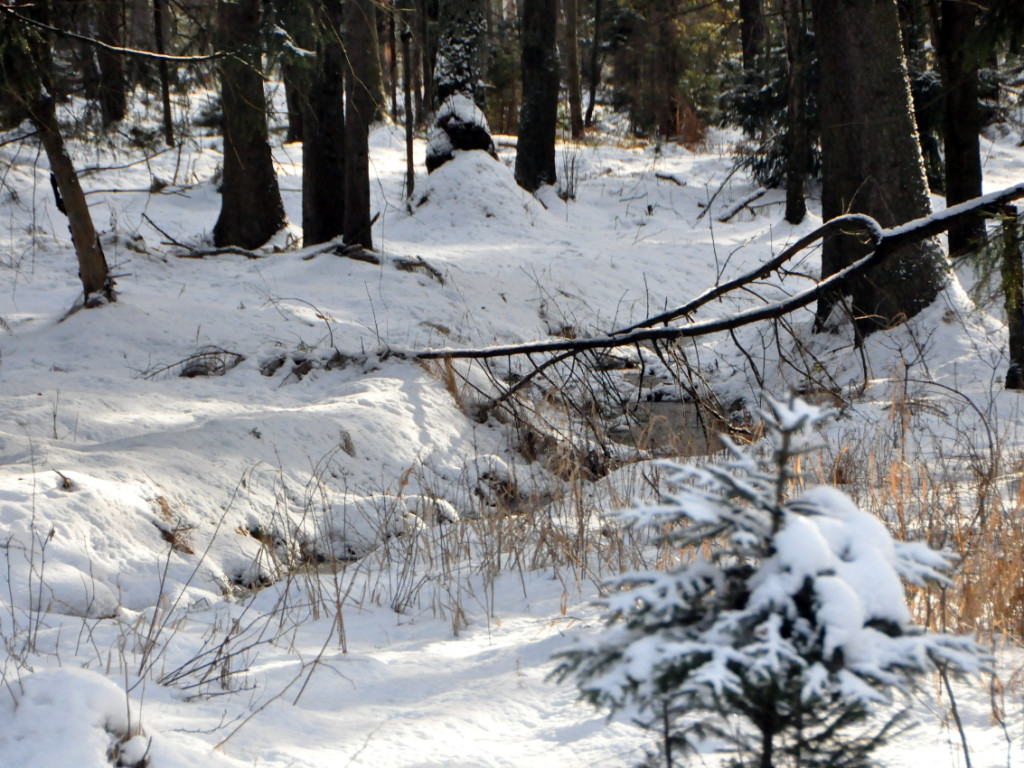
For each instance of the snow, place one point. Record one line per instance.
(132, 590)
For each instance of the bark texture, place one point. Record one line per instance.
(323, 140)
(112, 88)
(961, 121)
(572, 68)
(297, 71)
(1013, 296)
(797, 133)
(752, 32)
(595, 64)
(159, 33)
(251, 208)
(535, 153)
(871, 160)
(359, 110)
(460, 50)
(92, 264)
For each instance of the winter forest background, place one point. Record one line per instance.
(519, 383)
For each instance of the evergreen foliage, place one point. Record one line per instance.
(786, 611)
(758, 106)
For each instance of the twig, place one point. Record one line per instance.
(16, 139)
(103, 168)
(718, 191)
(944, 674)
(114, 48)
(171, 240)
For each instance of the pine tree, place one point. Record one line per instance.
(251, 207)
(786, 612)
(871, 161)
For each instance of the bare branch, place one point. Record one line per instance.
(139, 53)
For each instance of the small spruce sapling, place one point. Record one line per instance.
(782, 628)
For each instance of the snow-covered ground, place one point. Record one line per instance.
(139, 508)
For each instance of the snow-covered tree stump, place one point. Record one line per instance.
(459, 125)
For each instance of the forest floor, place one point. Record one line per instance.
(241, 526)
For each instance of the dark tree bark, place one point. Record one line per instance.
(410, 172)
(797, 133)
(871, 159)
(595, 64)
(27, 82)
(92, 264)
(426, 23)
(323, 140)
(359, 110)
(159, 32)
(391, 55)
(961, 122)
(1013, 296)
(417, 65)
(251, 208)
(535, 153)
(112, 87)
(572, 68)
(752, 32)
(460, 50)
(666, 102)
(296, 17)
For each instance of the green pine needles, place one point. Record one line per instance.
(782, 628)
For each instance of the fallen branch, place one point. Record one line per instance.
(884, 241)
(742, 204)
(670, 177)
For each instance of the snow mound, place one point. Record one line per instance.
(63, 716)
(473, 189)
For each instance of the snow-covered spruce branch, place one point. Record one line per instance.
(885, 242)
(780, 623)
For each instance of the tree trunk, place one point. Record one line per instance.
(595, 64)
(752, 32)
(165, 78)
(666, 102)
(417, 65)
(572, 68)
(391, 55)
(961, 118)
(797, 138)
(1013, 296)
(535, 153)
(871, 159)
(460, 50)
(251, 208)
(296, 17)
(767, 743)
(323, 140)
(92, 264)
(427, 17)
(410, 172)
(112, 95)
(359, 111)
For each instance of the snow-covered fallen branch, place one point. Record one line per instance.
(740, 205)
(884, 241)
